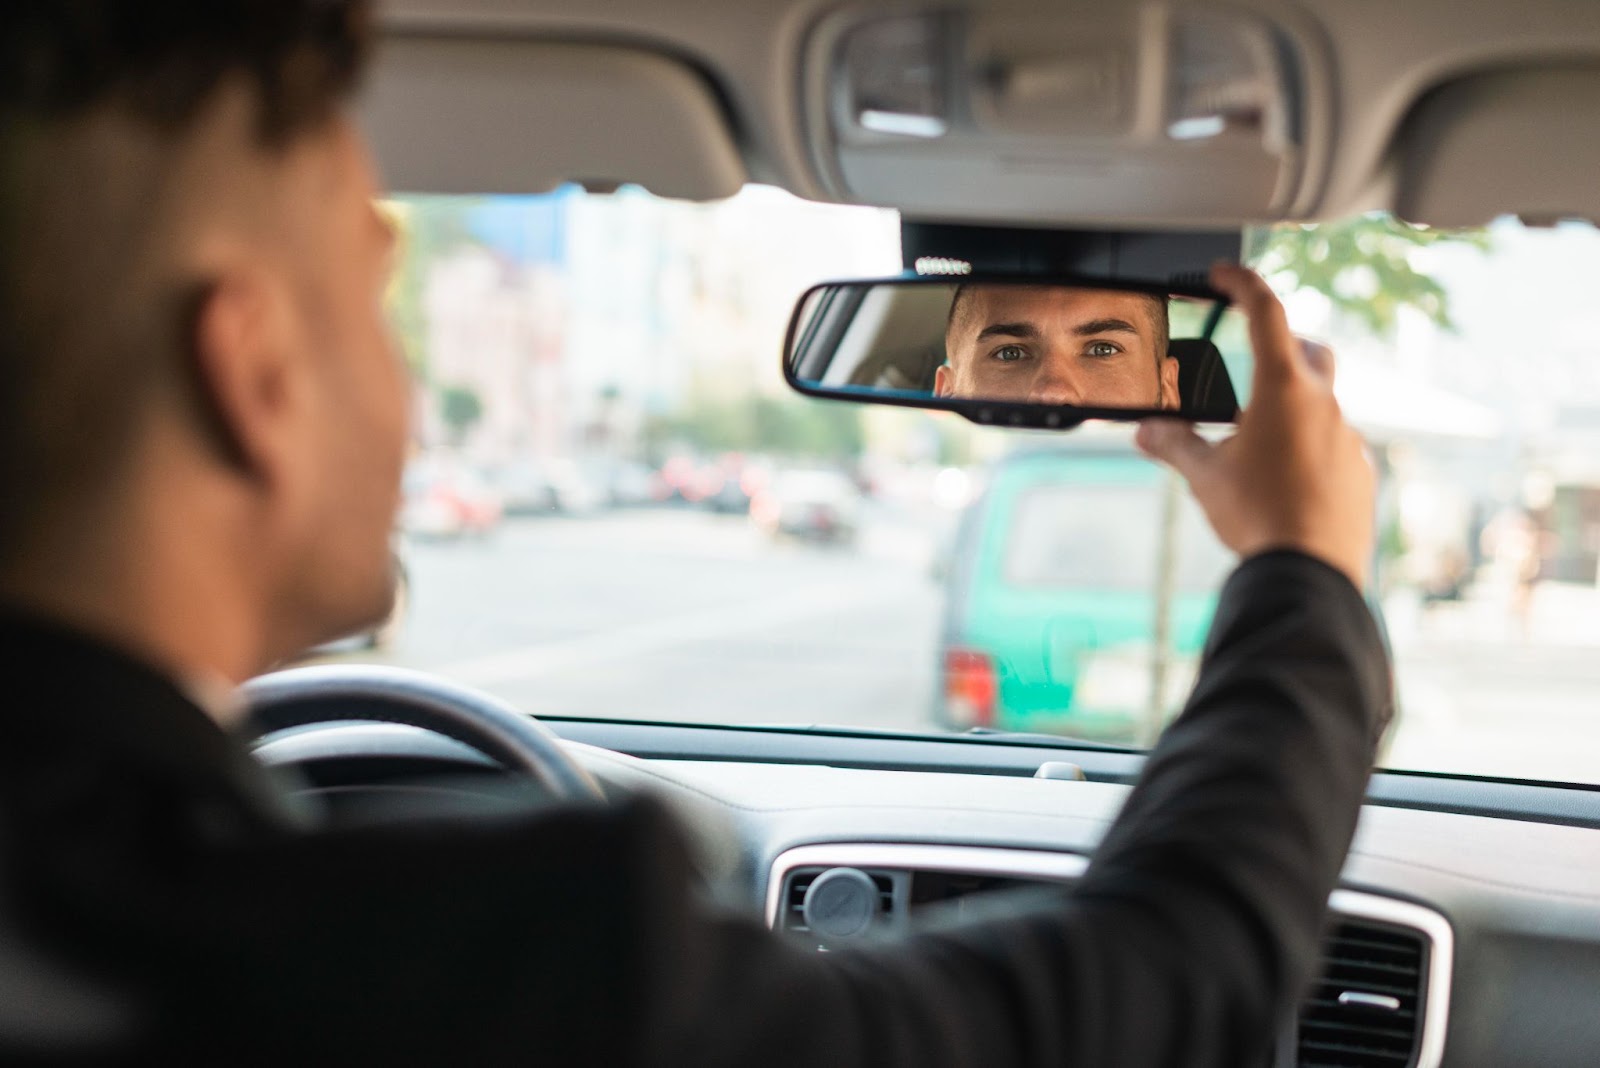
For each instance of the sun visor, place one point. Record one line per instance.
(454, 115)
(1509, 142)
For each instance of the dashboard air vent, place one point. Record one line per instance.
(1365, 1011)
(792, 918)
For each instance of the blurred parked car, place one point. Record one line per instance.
(818, 506)
(680, 480)
(620, 483)
(727, 483)
(448, 500)
(543, 487)
(1052, 598)
(735, 481)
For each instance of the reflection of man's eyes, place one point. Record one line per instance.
(1009, 353)
(1102, 349)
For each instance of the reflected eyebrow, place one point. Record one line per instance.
(1104, 326)
(1022, 330)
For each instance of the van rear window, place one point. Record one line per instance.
(1107, 537)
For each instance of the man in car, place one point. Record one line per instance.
(202, 421)
(1092, 348)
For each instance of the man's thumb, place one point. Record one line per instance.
(1175, 444)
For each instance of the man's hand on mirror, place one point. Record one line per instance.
(1295, 475)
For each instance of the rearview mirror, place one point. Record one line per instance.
(1014, 351)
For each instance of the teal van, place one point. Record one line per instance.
(1079, 593)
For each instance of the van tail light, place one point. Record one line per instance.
(971, 688)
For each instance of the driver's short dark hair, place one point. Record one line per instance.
(161, 61)
(97, 84)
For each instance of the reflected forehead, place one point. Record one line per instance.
(987, 304)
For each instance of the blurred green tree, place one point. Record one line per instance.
(1362, 265)
(461, 409)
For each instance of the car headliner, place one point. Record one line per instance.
(1450, 111)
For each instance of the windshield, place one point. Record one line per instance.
(616, 509)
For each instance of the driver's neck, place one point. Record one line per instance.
(158, 577)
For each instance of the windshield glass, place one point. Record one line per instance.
(615, 508)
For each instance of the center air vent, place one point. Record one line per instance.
(793, 919)
(1382, 1000)
(1365, 1011)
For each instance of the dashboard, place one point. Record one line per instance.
(1455, 938)
(1382, 999)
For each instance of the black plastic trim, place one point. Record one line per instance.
(986, 412)
(1570, 805)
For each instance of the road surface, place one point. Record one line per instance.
(680, 616)
(688, 617)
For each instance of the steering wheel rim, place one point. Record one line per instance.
(308, 696)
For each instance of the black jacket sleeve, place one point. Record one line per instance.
(571, 937)
(1190, 938)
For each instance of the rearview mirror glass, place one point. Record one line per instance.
(1018, 352)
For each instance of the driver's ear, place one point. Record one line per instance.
(244, 373)
(1169, 384)
(941, 381)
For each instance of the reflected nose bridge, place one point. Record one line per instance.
(1055, 381)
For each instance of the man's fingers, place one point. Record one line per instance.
(1319, 358)
(1277, 352)
(1175, 444)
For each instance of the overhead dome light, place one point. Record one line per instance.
(1198, 128)
(1154, 111)
(1227, 74)
(901, 124)
(893, 74)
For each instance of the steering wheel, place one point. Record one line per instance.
(339, 693)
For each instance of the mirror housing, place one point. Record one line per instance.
(1045, 352)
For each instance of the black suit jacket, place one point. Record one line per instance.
(156, 904)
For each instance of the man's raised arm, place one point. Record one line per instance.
(1197, 925)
